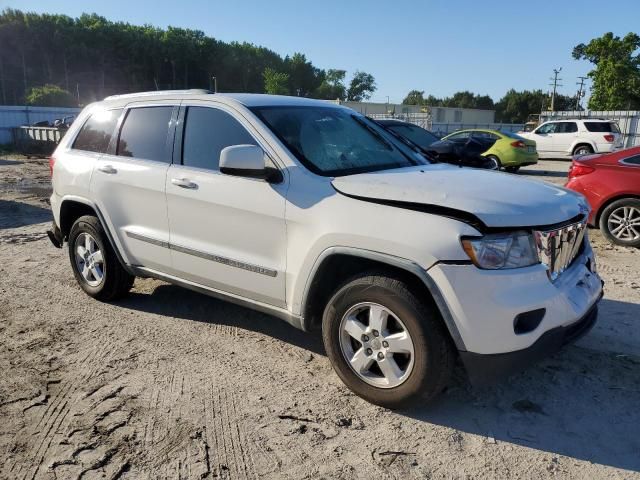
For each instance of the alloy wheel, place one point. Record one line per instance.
(377, 345)
(89, 259)
(624, 223)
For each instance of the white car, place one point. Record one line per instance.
(568, 138)
(314, 214)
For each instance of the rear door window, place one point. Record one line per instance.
(96, 132)
(207, 131)
(144, 134)
(566, 127)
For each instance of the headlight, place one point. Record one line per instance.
(502, 250)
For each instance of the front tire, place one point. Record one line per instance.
(387, 346)
(95, 265)
(620, 222)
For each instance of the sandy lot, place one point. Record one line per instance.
(172, 384)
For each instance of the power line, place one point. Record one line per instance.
(580, 91)
(555, 84)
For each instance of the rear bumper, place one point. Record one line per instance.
(487, 369)
(521, 159)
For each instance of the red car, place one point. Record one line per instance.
(611, 183)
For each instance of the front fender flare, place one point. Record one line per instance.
(394, 261)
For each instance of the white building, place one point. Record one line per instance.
(468, 116)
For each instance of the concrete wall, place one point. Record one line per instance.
(461, 115)
(438, 114)
(16, 116)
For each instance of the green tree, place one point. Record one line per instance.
(275, 83)
(50, 96)
(616, 78)
(332, 86)
(515, 106)
(414, 97)
(303, 76)
(361, 87)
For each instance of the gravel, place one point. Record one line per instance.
(168, 383)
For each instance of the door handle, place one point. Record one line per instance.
(107, 169)
(184, 183)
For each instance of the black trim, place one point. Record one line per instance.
(270, 174)
(55, 235)
(485, 369)
(207, 256)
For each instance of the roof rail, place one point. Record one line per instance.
(192, 91)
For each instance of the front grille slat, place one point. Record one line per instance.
(557, 248)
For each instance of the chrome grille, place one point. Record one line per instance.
(557, 248)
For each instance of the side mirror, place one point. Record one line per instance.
(247, 161)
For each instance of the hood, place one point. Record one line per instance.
(496, 199)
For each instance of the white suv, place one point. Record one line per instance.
(566, 138)
(313, 213)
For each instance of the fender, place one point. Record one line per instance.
(112, 239)
(391, 260)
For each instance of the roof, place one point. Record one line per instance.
(246, 99)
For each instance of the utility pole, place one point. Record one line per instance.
(215, 84)
(580, 91)
(555, 85)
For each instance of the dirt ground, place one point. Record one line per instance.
(172, 384)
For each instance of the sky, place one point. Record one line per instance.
(440, 47)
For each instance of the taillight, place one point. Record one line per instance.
(609, 138)
(518, 144)
(52, 162)
(579, 169)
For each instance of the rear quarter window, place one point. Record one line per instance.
(635, 160)
(96, 133)
(602, 127)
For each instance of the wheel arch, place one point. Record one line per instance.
(339, 263)
(585, 143)
(72, 208)
(609, 201)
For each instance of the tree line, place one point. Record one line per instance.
(513, 107)
(615, 78)
(69, 61)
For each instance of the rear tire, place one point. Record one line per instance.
(582, 150)
(620, 222)
(95, 265)
(494, 162)
(409, 359)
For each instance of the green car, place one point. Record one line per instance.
(506, 150)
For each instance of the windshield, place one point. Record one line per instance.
(333, 142)
(415, 134)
